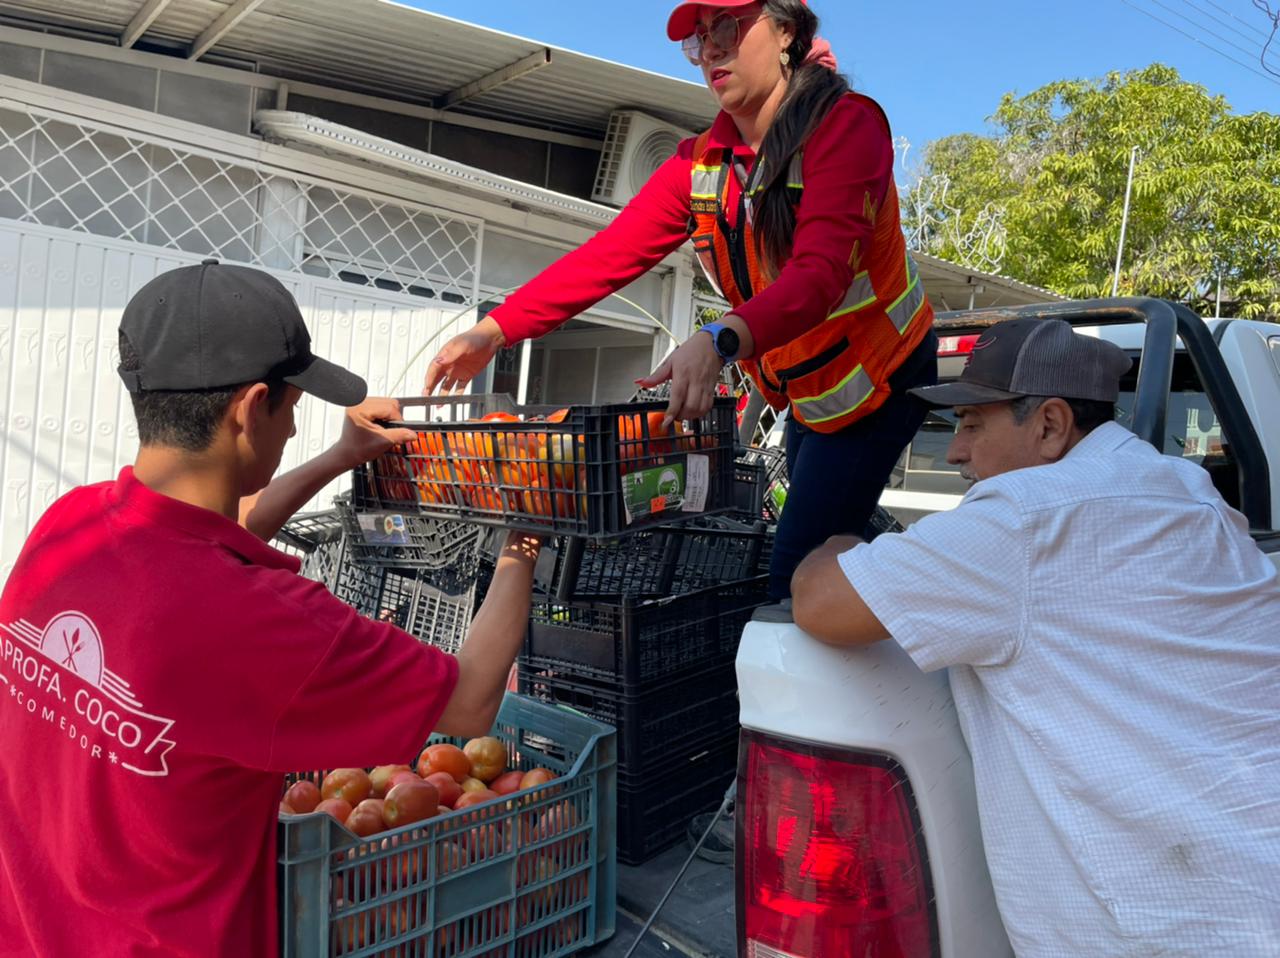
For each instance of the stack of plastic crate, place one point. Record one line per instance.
(642, 633)
(415, 572)
(315, 538)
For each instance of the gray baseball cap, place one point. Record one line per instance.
(212, 326)
(1033, 357)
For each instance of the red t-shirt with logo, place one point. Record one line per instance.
(161, 668)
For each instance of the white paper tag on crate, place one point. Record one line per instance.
(697, 482)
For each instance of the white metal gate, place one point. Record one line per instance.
(91, 210)
(66, 417)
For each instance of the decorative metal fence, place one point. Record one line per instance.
(72, 173)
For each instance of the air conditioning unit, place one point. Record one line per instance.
(635, 146)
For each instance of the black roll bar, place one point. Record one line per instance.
(1164, 322)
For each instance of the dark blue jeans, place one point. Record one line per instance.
(836, 478)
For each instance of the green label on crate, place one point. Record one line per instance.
(648, 492)
(677, 487)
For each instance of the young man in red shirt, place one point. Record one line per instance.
(162, 665)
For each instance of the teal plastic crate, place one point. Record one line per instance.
(532, 875)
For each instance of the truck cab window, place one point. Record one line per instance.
(1192, 428)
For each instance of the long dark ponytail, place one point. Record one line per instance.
(812, 90)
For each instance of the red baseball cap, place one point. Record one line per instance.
(684, 18)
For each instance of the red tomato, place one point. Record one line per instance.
(474, 798)
(409, 802)
(506, 783)
(339, 808)
(366, 818)
(450, 791)
(535, 777)
(404, 775)
(380, 778)
(444, 758)
(351, 784)
(303, 796)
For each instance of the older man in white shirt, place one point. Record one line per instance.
(1113, 639)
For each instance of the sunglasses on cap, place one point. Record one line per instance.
(725, 31)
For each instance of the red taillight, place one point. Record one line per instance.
(830, 859)
(956, 345)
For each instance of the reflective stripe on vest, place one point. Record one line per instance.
(840, 400)
(862, 295)
(705, 181)
(905, 308)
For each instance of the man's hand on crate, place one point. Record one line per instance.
(363, 438)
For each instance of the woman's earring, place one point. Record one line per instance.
(785, 57)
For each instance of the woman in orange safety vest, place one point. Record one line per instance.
(790, 203)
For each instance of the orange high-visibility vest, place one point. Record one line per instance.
(838, 371)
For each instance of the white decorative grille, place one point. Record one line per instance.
(74, 174)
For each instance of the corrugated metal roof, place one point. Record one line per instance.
(385, 48)
(951, 285)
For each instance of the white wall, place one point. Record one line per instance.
(66, 417)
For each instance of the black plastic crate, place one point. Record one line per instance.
(405, 540)
(594, 471)
(658, 562)
(750, 482)
(681, 715)
(631, 642)
(434, 607)
(654, 809)
(775, 481)
(305, 532)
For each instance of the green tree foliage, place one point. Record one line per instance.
(1206, 191)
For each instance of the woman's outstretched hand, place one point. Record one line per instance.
(464, 356)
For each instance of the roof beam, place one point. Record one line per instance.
(141, 21)
(523, 66)
(222, 26)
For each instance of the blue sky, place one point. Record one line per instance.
(940, 66)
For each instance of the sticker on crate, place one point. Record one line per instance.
(697, 482)
(648, 492)
(383, 529)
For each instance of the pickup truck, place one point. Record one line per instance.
(859, 754)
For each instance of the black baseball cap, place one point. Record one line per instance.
(1033, 357)
(212, 326)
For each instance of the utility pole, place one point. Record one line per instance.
(1217, 306)
(1124, 222)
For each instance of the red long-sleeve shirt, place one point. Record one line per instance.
(849, 156)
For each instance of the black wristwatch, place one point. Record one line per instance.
(725, 339)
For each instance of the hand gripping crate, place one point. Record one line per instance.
(593, 471)
(530, 875)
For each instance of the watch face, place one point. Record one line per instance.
(727, 343)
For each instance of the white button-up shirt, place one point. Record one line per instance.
(1113, 640)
